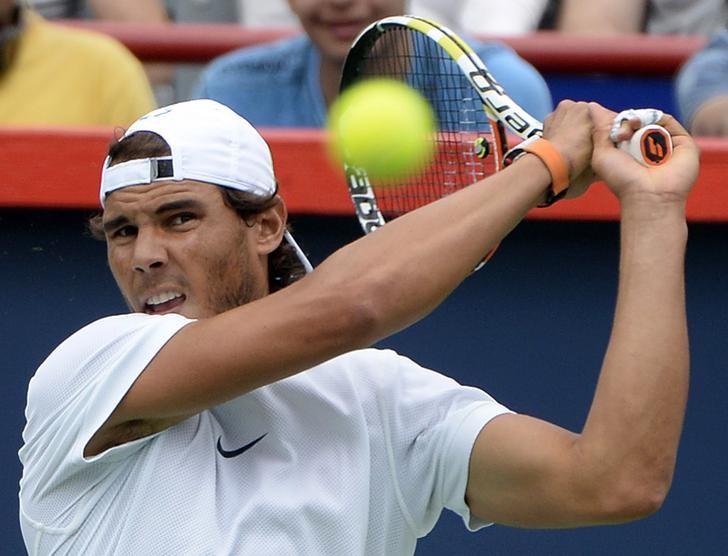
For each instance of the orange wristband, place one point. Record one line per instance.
(552, 159)
(556, 165)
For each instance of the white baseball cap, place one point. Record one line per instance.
(209, 143)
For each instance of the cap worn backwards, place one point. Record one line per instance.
(209, 143)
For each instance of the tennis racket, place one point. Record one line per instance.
(473, 112)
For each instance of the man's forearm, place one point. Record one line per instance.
(638, 410)
(438, 246)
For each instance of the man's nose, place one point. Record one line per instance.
(149, 251)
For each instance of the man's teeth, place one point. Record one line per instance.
(162, 298)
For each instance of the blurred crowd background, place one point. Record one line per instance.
(55, 74)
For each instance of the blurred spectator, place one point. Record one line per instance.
(170, 82)
(485, 17)
(684, 17)
(55, 75)
(477, 17)
(702, 88)
(300, 76)
(494, 17)
(249, 13)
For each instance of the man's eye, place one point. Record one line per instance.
(182, 218)
(125, 231)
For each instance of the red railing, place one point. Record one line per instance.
(60, 168)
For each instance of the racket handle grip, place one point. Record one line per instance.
(650, 145)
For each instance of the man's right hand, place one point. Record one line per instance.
(569, 128)
(631, 181)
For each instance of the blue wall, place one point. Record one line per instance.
(530, 328)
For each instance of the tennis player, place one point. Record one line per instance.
(237, 410)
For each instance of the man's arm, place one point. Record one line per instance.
(366, 291)
(607, 17)
(526, 472)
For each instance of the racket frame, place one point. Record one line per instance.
(502, 111)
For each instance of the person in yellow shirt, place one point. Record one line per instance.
(56, 75)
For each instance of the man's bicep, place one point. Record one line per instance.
(522, 473)
(213, 360)
(121, 421)
(178, 382)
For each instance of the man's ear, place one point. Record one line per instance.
(271, 226)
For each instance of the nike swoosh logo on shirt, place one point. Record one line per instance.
(232, 453)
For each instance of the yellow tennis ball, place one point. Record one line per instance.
(383, 126)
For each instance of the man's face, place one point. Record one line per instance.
(177, 248)
(333, 25)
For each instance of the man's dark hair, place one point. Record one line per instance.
(284, 266)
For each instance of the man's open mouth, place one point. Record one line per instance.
(163, 302)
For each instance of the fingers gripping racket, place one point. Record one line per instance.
(473, 112)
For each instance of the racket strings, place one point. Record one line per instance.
(464, 131)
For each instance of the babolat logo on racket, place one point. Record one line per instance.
(481, 147)
(655, 145)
